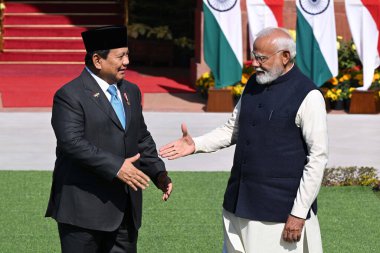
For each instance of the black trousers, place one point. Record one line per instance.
(81, 240)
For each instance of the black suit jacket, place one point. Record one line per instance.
(91, 148)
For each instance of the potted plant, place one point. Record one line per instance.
(368, 101)
(184, 50)
(206, 81)
(150, 45)
(339, 90)
(375, 86)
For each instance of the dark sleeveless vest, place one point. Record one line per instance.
(270, 152)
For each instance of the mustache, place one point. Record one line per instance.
(259, 69)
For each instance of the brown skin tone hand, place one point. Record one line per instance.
(135, 178)
(182, 147)
(293, 229)
(132, 176)
(165, 184)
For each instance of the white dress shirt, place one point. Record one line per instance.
(104, 86)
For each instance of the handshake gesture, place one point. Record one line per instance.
(135, 178)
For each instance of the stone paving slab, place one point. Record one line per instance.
(174, 102)
(27, 140)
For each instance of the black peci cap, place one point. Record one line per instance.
(106, 37)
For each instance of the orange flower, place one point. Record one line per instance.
(359, 77)
(376, 76)
(346, 77)
(334, 81)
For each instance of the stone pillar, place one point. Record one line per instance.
(125, 6)
(341, 22)
(197, 64)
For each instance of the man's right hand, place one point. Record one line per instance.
(179, 148)
(132, 176)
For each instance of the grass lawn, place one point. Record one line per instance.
(190, 222)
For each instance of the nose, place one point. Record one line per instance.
(125, 60)
(255, 63)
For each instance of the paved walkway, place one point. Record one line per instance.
(27, 141)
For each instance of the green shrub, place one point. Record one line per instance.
(348, 176)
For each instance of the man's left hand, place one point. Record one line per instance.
(165, 184)
(293, 229)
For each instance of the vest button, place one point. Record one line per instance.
(253, 123)
(260, 105)
(247, 142)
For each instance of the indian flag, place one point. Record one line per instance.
(363, 17)
(317, 55)
(223, 46)
(263, 14)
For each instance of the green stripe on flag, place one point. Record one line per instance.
(309, 56)
(218, 53)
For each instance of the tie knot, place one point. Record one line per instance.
(112, 90)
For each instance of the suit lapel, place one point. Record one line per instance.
(96, 94)
(125, 97)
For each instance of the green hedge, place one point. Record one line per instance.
(349, 176)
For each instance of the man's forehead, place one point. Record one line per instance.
(263, 44)
(119, 50)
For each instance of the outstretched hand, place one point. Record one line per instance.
(132, 176)
(179, 148)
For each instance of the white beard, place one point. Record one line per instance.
(268, 76)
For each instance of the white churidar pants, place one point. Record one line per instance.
(248, 236)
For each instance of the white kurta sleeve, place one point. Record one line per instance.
(221, 137)
(311, 118)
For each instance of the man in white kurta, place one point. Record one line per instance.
(298, 234)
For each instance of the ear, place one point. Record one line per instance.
(96, 60)
(285, 57)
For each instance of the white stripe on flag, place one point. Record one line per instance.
(260, 16)
(323, 26)
(231, 26)
(365, 35)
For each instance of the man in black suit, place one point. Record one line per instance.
(105, 154)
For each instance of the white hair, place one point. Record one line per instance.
(282, 43)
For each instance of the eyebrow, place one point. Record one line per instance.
(122, 53)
